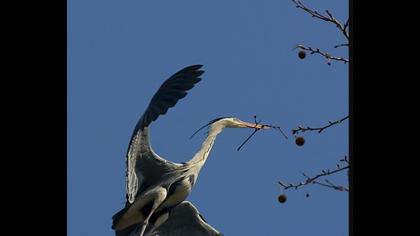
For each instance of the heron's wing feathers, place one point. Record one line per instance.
(184, 219)
(169, 93)
(144, 166)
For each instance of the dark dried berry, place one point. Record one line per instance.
(300, 141)
(302, 54)
(282, 198)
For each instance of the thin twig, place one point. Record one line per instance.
(319, 129)
(324, 54)
(341, 45)
(346, 25)
(331, 185)
(329, 17)
(277, 128)
(257, 129)
(246, 140)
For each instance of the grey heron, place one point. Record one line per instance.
(156, 186)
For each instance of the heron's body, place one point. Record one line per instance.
(155, 186)
(174, 186)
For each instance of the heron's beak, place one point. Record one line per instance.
(260, 126)
(254, 126)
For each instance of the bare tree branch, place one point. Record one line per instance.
(324, 54)
(320, 129)
(329, 17)
(312, 180)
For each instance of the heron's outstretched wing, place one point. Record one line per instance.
(144, 166)
(184, 219)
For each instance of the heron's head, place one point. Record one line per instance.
(231, 122)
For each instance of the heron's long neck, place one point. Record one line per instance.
(201, 156)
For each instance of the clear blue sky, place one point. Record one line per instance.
(119, 53)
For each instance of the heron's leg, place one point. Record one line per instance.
(160, 220)
(159, 195)
(134, 214)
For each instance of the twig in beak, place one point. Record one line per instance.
(277, 128)
(258, 128)
(246, 140)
